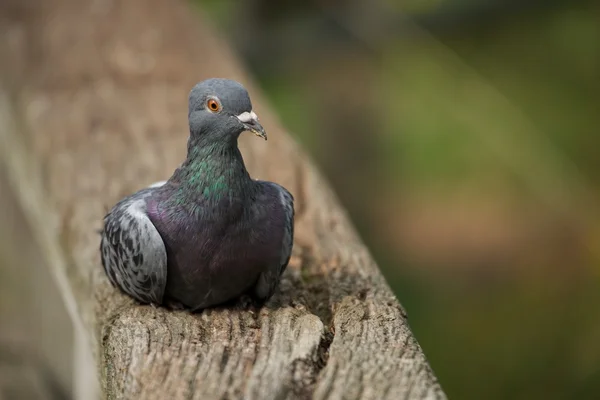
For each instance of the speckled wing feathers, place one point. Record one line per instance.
(133, 252)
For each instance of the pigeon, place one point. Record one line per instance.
(210, 233)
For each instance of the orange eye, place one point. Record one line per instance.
(213, 105)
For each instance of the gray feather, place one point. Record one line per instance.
(133, 252)
(287, 201)
(269, 279)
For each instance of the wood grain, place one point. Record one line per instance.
(97, 94)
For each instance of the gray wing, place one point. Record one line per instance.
(133, 252)
(269, 279)
(287, 200)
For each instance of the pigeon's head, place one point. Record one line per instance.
(220, 109)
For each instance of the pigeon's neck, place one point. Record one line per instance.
(213, 172)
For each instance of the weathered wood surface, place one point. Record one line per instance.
(24, 376)
(35, 330)
(94, 96)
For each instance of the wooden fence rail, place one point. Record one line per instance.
(93, 106)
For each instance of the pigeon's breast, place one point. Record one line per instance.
(216, 254)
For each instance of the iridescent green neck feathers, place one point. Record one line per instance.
(212, 172)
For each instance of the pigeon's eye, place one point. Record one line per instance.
(213, 105)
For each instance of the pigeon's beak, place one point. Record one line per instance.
(250, 121)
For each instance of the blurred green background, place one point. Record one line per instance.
(463, 137)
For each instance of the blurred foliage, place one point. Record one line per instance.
(463, 137)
